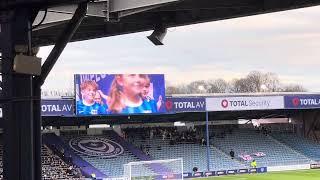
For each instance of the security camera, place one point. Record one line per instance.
(157, 36)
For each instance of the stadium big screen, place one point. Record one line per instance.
(109, 94)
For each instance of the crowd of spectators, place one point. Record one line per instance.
(263, 129)
(175, 136)
(61, 153)
(54, 167)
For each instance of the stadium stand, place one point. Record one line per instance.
(111, 166)
(168, 143)
(250, 141)
(143, 144)
(305, 146)
(53, 167)
(192, 151)
(57, 145)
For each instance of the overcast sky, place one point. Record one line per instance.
(285, 43)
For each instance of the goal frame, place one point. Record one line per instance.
(128, 167)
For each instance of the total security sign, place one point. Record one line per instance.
(244, 103)
(302, 101)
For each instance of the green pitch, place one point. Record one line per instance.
(284, 175)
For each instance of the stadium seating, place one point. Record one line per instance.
(193, 154)
(279, 149)
(53, 168)
(249, 141)
(113, 167)
(303, 145)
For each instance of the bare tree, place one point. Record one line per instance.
(218, 86)
(272, 82)
(293, 88)
(197, 86)
(172, 90)
(256, 81)
(241, 86)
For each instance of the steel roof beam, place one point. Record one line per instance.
(63, 40)
(109, 9)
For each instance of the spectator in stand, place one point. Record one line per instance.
(254, 164)
(232, 154)
(203, 142)
(151, 134)
(164, 134)
(195, 170)
(170, 135)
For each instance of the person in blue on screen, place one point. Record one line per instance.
(125, 95)
(88, 105)
(147, 93)
(98, 99)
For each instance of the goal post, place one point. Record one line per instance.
(155, 169)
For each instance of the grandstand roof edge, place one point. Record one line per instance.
(244, 94)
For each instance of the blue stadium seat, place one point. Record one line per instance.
(305, 146)
(248, 141)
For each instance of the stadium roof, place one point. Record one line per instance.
(115, 17)
(185, 117)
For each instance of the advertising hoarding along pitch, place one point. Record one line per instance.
(61, 107)
(185, 104)
(244, 103)
(302, 101)
(104, 94)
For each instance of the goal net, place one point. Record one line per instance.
(156, 169)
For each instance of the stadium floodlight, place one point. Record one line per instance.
(157, 36)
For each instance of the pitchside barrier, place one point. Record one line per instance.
(225, 172)
(315, 165)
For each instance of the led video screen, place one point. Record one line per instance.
(107, 94)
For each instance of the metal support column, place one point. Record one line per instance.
(17, 98)
(208, 143)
